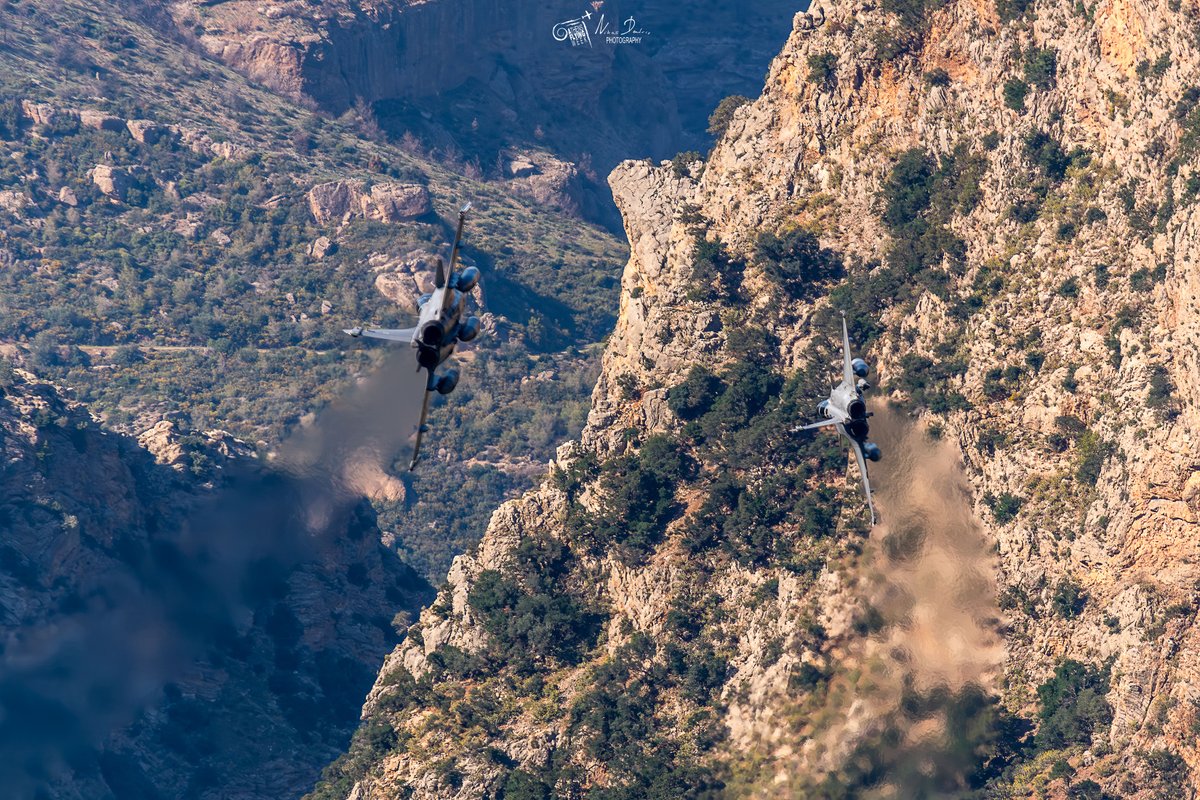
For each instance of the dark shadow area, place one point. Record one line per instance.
(173, 635)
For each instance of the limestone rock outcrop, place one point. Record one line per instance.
(173, 447)
(1051, 340)
(643, 94)
(342, 201)
(115, 182)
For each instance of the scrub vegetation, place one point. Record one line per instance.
(193, 290)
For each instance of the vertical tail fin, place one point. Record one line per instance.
(462, 218)
(847, 369)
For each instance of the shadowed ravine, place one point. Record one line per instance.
(241, 627)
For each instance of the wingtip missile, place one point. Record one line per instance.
(355, 332)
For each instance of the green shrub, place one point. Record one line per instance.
(1170, 771)
(1072, 706)
(1009, 10)
(1093, 453)
(716, 275)
(913, 14)
(1025, 211)
(1005, 507)
(907, 191)
(1087, 790)
(749, 387)
(920, 199)
(529, 628)
(521, 785)
(1158, 68)
(617, 721)
(662, 456)
(1041, 67)
(796, 262)
(722, 115)
(1047, 154)
(937, 77)
(695, 396)
(1161, 394)
(822, 68)
(627, 382)
(636, 500)
(11, 119)
(1140, 280)
(927, 382)
(1069, 599)
(681, 164)
(1015, 91)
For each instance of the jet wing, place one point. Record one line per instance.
(825, 423)
(847, 370)
(421, 427)
(862, 467)
(390, 334)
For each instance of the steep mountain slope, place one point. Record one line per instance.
(177, 239)
(519, 86)
(1001, 198)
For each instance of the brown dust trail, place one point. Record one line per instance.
(914, 697)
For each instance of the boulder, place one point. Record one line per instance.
(322, 247)
(113, 182)
(39, 113)
(394, 202)
(521, 167)
(200, 142)
(13, 201)
(403, 281)
(547, 180)
(148, 132)
(66, 196)
(98, 120)
(330, 201)
(173, 447)
(387, 202)
(230, 151)
(51, 120)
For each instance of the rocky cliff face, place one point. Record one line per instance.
(520, 88)
(1002, 199)
(168, 630)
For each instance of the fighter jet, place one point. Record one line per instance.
(846, 410)
(439, 328)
